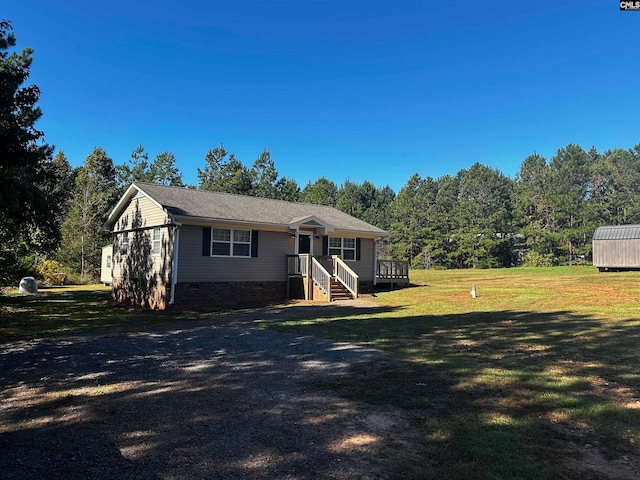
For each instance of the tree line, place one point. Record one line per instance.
(52, 214)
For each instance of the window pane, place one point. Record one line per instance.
(335, 242)
(349, 242)
(242, 236)
(349, 255)
(156, 241)
(221, 249)
(221, 234)
(335, 251)
(240, 250)
(124, 246)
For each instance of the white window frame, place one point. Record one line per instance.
(333, 249)
(156, 243)
(108, 261)
(124, 245)
(232, 242)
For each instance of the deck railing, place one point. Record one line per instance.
(345, 275)
(392, 270)
(321, 277)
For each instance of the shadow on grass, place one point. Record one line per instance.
(497, 394)
(64, 311)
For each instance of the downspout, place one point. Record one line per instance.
(174, 262)
(375, 261)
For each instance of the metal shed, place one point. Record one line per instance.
(616, 247)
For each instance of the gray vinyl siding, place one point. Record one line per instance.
(269, 265)
(364, 266)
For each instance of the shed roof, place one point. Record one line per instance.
(617, 232)
(184, 203)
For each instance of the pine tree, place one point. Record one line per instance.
(27, 208)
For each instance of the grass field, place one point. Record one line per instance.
(537, 378)
(65, 310)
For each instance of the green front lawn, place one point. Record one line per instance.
(64, 310)
(537, 378)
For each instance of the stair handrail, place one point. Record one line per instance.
(345, 275)
(321, 277)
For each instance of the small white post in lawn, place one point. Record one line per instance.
(473, 291)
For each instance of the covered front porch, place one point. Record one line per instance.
(329, 278)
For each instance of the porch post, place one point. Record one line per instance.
(375, 262)
(309, 279)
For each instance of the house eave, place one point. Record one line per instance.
(274, 227)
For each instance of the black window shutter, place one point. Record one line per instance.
(358, 245)
(254, 243)
(206, 241)
(325, 245)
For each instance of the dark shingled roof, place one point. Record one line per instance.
(185, 202)
(617, 232)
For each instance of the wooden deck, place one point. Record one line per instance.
(392, 272)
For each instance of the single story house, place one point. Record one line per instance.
(174, 245)
(616, 247)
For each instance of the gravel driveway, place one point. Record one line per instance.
(224, 400)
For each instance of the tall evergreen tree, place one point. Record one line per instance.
(210, 178)
(483, 218)
(224, 173)
(288, 189)
(136, 171)
(569, 187)
(411, 212)
(27, 207)
(264, 176)
(533, 208)
(321, 192)
(64, 185)
(94, 197)
(163, 170)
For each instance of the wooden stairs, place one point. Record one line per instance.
(339, 291)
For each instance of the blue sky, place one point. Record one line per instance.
(373, 90)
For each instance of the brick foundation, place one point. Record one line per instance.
(204, 296)
(146, 295)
